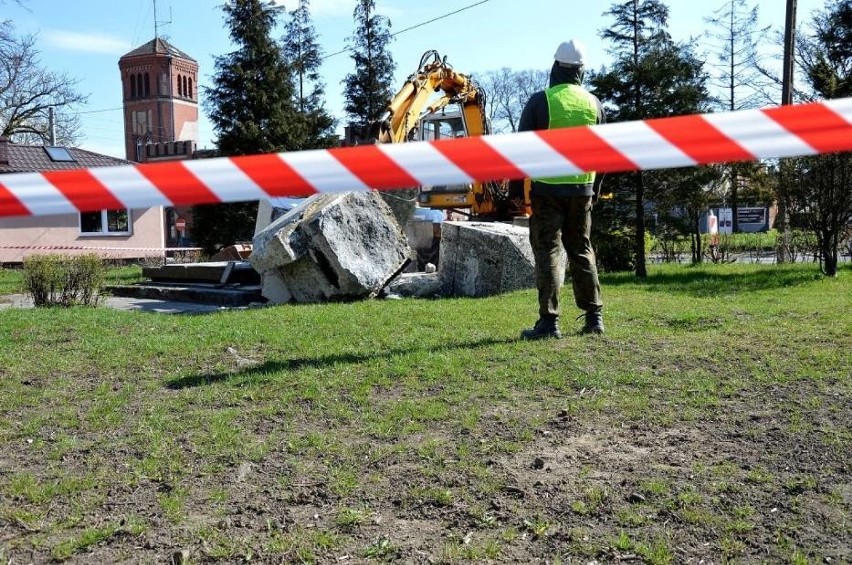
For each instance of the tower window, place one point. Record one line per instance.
(185, 88)
(189, 93)
(180, 86)
(147, 85)
(133, 86)
(139, 85)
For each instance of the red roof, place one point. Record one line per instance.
(157, 46)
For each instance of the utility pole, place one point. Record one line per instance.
(789, 48)
(783, 246)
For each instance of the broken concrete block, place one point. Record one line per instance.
(331, 247)
(280, 242)
(484, 259)
(274, 289)
(270, 209)
(416, 285)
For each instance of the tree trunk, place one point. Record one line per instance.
(641, 269)
(828, 250)
(696, 233)
(830, 263)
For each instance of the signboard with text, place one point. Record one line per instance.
(751, 216)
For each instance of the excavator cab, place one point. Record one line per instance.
(444, 124)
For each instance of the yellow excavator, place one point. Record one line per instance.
(436, 102)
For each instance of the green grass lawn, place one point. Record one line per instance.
(710, 422)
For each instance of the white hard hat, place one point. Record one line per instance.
(571, 52)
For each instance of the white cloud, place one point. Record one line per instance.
(86, 42)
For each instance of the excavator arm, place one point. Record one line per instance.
(416, 99)
(423, 100)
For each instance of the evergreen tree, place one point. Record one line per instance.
(825, 54)
(251, 107)
(251, 103)
(369, 87)
(302, 51)
(369, 90)
(652, 77)
(742, 85)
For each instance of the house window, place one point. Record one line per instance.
(59, 154)
(105, 222)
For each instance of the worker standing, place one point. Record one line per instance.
(562, 206)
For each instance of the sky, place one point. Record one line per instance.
(86, 38)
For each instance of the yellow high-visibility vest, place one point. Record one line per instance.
(570, 105)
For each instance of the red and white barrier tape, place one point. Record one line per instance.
(87, 248)
(786, 131)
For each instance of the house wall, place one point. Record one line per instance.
(49, 234)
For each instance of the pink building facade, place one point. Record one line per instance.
(159, 85)
(116, 234)
(136, 234)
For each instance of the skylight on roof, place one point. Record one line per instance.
(59, 154)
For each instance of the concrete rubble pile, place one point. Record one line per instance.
(349, 246)
(330, 247)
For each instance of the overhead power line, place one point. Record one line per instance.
(447, 15)
(421, 24)
(101, 111)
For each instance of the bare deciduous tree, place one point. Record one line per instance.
(28, 90)
(497, 85)
(508, 92)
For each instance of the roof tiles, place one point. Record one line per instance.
(156, 46)
(34, 159)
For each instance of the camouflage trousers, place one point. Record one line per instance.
(557, 223)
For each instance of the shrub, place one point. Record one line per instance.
(614, 251)
(61, 280)
(669, 246)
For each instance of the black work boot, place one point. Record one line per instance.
(594, 322)
(543, 328)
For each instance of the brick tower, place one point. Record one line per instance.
(160, 94)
